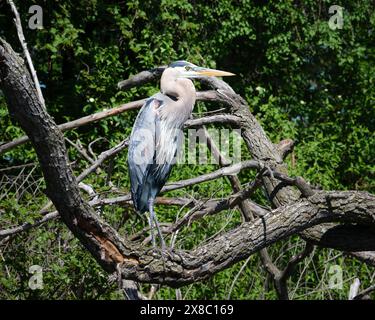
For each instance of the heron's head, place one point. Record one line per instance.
(184, 69)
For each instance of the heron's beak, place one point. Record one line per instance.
(196, 72)
(212, 72)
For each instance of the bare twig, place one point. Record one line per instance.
(80, 150)
(102, 157)
(27, 226)
(21, 166)
(364, 294)
(280, 277)
(22, 39)
(288, 270)
(226, 171)
(89, 190)
(237, 276)
(213, 207)
(219, 118)
(49, 216)
(247, 209)
(92, 153)
(245, 206)
(275, 273)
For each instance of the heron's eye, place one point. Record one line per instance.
(187, 68)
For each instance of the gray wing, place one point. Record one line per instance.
(146, 177)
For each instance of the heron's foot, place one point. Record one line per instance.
(166, 255)
(155, 252)
(156, 248)
(164, 251)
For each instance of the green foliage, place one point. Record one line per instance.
(301, 79)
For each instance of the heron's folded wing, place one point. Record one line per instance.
(142, 146)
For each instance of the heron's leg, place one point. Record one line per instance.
(153, 217)
(151, 230)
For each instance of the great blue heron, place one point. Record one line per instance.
(154, 138)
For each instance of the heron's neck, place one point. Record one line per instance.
(185, 91)
(178, 88)
(182, 91)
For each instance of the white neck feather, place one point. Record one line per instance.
(183, 90)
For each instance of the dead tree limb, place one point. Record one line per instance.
(79, 122)
(141, 78)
